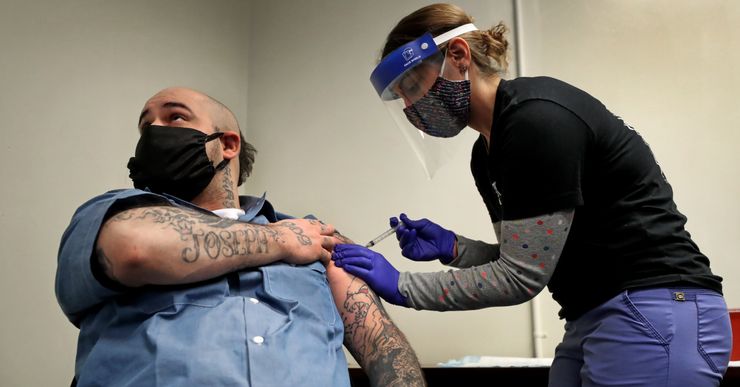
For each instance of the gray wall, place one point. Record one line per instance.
(75, 74)
(73, 78)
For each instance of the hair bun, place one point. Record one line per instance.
(496, 45)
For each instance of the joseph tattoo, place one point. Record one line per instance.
(207, 235)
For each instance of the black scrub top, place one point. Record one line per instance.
(555, 147)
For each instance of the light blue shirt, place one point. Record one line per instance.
(274, 325)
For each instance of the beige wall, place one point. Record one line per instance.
(670, 69)
(74, 74)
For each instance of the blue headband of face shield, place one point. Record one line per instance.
(408, 56)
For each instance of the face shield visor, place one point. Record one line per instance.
(426, 107)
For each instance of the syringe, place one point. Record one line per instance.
(382, 236)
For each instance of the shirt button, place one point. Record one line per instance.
(254, 300)
(258, 340)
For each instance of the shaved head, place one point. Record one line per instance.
(223, 117)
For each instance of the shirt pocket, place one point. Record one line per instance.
(714, 331)
(652, 316)
(172, 299)
(305, 285)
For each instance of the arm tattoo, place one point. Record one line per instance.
(207, 235)
(342, 238)
(303, 239)
(375, 341)
(336, 234)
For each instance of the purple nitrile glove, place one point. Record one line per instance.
(373, 268)
(424, 240)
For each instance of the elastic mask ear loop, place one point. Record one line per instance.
(442, 70)
(444, 62)
(213, 136)
(223, 162)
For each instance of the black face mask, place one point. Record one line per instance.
(174, 161)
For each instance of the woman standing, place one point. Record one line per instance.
(577, 201)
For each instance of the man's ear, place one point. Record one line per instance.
(459, 50)
(231, 143)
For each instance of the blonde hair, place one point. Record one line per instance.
(488, 48)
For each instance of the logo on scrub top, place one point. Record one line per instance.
(408, 53)
(498, 194)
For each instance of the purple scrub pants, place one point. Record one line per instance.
(663, 337)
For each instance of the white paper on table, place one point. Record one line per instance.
(497, 361)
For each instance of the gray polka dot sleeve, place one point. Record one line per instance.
(508, 273)
(474, 253)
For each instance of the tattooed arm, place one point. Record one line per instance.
(167, 245)
(369, 333)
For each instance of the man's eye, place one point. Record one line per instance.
(175, 117)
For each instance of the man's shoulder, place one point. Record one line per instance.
(115, 194)
(105, 200)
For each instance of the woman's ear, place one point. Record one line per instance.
(459, 50)
(231, 143)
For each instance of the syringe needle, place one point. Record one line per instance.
(382, 236)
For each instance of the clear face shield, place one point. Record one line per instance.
(427, 108)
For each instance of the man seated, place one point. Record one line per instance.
(181, 282)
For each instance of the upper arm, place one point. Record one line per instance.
(531, 247)
(358, 306)
(529, 252)
(369, 334)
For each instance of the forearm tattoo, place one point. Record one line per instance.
(208, 236)
(302, 238)
(342, 238)
(375, 341)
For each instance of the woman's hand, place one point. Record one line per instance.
(424, 240)
(373, 268)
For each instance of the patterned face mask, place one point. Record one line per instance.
(444, 110)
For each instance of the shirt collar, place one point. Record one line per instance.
(251, 205)
(230, 213)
